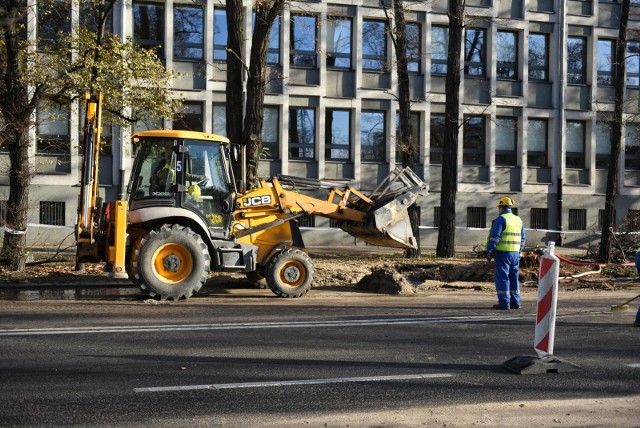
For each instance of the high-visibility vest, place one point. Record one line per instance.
(511, 237)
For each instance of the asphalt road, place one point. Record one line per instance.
(246, 358)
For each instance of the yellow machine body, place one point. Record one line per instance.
(184, 215)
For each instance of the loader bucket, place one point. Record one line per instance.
(388, 224)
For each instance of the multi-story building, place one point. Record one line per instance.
(536, 102)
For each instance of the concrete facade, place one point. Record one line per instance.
(502, 91)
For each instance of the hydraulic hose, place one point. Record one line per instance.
(593, 264)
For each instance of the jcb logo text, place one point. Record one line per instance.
(257, 200)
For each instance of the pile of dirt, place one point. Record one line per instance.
(385, 280)
(404, 276)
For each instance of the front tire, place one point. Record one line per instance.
(290, 273)
(171, 262)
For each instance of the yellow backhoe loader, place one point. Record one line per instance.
(184, 216)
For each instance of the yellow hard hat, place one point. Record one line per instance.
(506, 201)
(194, 190)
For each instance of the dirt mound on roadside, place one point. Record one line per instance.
(385, 280)
(406, 278)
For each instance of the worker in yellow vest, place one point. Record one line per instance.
(164, 175)
(505, 242)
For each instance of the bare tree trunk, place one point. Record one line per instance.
(13, 255)
(266, 13)
(408, 147)
(17, 111)
(235, 64)
(447, 224)
(619, 66)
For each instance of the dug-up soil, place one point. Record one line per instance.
(405, 276)
(387, 274)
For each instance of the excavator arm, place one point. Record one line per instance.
(88, 203)
(379, 219)
(98, 239)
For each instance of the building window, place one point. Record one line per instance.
(576, 60)
(54, 21)
(538, 57)
(220, 34)
(374, 45)
(601, 218)
(507, 55)
(542, 6)
(373, 135)
(603, 144)
(303, 41)
(633, 220)
(302, 133)
(337, 134)
(414, 122)
(414, 52)
(439, 49)
(188, 32)
(506, 138)
(538, 137)
(89, 17)
(539, 218)
(474, 141)
(606, 55)
(271, 132)
(575, 144)
(273, 52)
(53, 131)
(436, 140)
(632, 147)
(52, 213)
(148, 26)
(190, 118)
(474, 52)
(633, 63)
(219, 119)
(577, 219)
(339, 42)
(273, 55)
(477, 217)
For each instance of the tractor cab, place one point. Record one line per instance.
(184, 169)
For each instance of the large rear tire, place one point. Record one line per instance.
(171, 262)
(290, 273)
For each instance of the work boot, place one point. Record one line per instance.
(500, 307)
(636, 323)
(514, 306)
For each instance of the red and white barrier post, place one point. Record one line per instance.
(547, 302)
(544, 338)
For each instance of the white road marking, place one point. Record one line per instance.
(635, 366)
(245, 326)
(277, 383)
